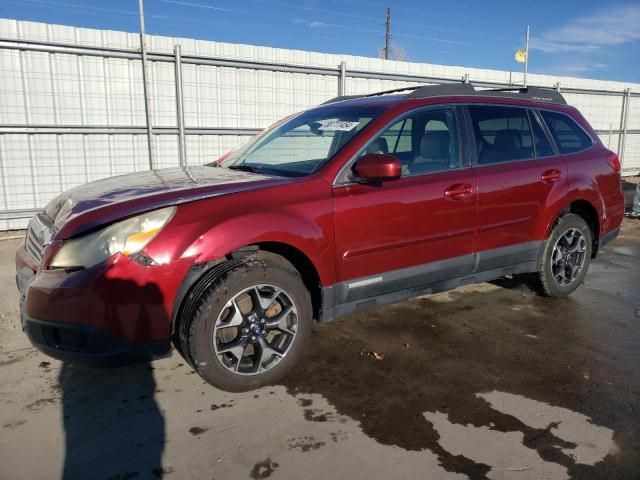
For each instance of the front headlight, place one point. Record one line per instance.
(128, 236)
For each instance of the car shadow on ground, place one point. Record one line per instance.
(114, 428)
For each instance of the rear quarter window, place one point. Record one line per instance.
(567, 134)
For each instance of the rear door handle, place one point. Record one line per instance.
(458, 191)
(551, 176)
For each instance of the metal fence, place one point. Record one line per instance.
(72, 103)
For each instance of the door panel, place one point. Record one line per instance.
(403, 223)
(512, 199)
(518, 178)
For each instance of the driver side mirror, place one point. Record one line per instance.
(378, 167)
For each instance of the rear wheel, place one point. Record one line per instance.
(566, 257)
(251, 325)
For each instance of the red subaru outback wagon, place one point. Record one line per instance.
(359, 202)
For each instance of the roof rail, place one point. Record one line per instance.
(384, 92)
(341, 98)
(539, 94)
(443, 90)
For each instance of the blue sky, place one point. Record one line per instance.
(583, 38)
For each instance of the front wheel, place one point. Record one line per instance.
(251, 325)
(566, 257)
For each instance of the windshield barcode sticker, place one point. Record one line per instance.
(337, 125)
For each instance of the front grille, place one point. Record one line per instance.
(38, 236)
(33, 246)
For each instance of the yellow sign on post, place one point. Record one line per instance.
(521, 56)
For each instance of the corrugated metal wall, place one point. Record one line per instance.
(48, 92)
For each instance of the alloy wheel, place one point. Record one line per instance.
(568, 257)
(255, 329)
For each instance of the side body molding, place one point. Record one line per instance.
(398, 285)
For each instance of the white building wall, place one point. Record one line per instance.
(61, 89)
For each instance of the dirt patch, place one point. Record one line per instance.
(41, 403)
(263, 469)
(16, 424)
(304, 444)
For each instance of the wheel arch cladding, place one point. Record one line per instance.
(202, 275)
(303, 264)
(196, 282)
(588, 212)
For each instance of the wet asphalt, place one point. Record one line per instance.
(487, 381)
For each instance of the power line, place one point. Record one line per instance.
(373, 19)
(129, 14)
(58, 5)
(64, 6)
(315, 23)
(210, 7)
(317, 10)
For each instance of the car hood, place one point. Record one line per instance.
(104, 201)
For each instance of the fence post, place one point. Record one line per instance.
(342, 79)
(623, 134)
(145, 86)
(182, 147)
(623, 113)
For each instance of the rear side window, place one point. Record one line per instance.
(569, 137)
(502, 134)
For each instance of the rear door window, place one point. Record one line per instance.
(569, 137)
(543, 149)
(503, 134)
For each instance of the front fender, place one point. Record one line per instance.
(236, 233)
(299, 215)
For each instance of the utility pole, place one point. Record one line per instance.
(526, 57)
(388, 35)
(145, 78)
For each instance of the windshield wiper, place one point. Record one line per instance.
(248, 168)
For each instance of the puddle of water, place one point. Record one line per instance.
(592, 442)
(503, 452)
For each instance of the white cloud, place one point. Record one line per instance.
(313, 24)
(579, 68)
(612, 26)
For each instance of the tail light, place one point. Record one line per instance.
(614, 161)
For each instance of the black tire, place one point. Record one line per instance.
(197, 337)
(544, 281)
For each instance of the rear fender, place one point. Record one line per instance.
(593, 197)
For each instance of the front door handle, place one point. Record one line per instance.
(458, 191)
(551, 176)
